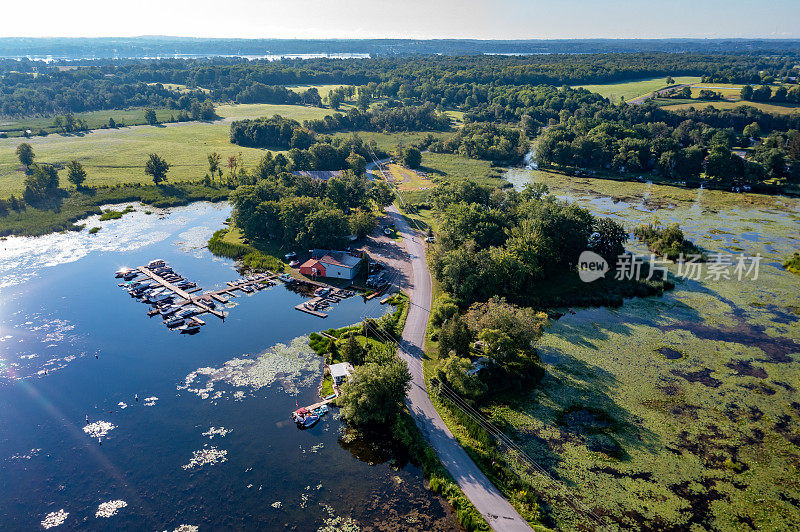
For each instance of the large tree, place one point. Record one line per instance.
(25, 155)
(375, 392)
(412, 158)
(157, 168)
(41, 182)
(75, 173)
(150, 117)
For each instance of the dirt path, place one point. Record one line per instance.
(641, 99)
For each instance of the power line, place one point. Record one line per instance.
(490, 428)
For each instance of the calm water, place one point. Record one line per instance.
(73, 344)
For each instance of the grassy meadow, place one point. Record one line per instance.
(407, 180)
(443, 168)
(682, 411)
(635, 88)
(784, 108)
(255, 110)
(117, 156)
(94, 119)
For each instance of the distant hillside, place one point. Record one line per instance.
(149, 46)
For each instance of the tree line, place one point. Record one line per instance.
(96, 85)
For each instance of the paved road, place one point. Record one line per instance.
(486, 498)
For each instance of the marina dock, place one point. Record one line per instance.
(165, 280)
(181, 293)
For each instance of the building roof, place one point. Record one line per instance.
(342, 369)
(310, 263)
(339, 258)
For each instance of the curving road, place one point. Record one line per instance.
(497, 511)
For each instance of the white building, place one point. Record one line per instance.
(340, 372)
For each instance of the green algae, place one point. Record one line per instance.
(708, 440)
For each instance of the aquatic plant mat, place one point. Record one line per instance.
(681, 411)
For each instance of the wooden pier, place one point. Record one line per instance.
(189, 299)
(323, 402)
(303, 308)
(336, 296)
(180, 292)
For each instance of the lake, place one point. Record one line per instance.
(209, 442)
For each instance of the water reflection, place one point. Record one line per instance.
(117, 422)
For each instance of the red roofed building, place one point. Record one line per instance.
(338, 264)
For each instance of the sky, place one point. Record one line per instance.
(422, 19)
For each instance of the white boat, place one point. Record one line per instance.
(174, 322)
(171, 309)
(123, 272)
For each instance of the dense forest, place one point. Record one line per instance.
(678, 145)
(31, 87)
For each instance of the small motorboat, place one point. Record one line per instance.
(168, 310)
(174, 322)
(186, 313)
(247, 288)
(207, 302)
(190, 326)
(122, 272)
(321, 410)
(308, 421)
(304, 418)
(156, 263)
(322, 291)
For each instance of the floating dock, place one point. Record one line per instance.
(202, 301)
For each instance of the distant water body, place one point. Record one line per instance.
(249, 57)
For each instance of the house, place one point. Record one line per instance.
(338, 264)
(340, 372)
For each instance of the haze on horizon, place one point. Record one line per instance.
(498, 19)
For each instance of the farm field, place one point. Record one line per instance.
(785, 108)
(256, 110)
(94, 120)
(635, 88)
(678, 411)
(118, 156)
(115, 156)
(324, 90)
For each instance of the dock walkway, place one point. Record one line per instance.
(196, 300)
(180, 292)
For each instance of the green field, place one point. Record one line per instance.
(114, 156)
(118, 156)
(785, 108)
(728, 90)
(93, 119)
(447, 168)
(256, 110)
(324, 90)
(635, 88)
